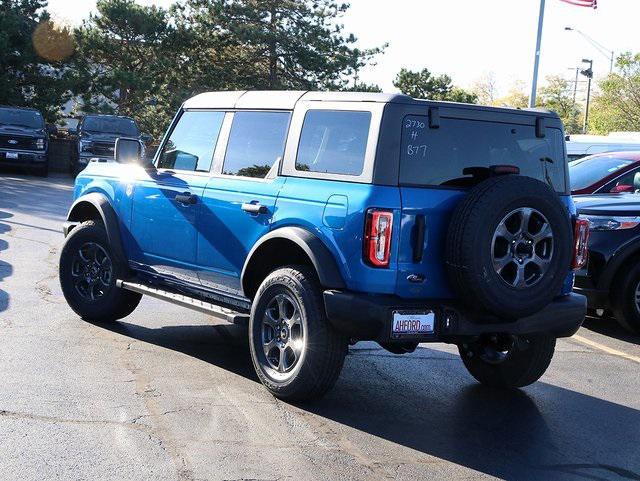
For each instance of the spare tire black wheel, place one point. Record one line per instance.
(509, 246)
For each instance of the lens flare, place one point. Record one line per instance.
(53, 42)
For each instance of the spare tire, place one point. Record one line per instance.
(509, 246)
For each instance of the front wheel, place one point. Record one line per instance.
(296, 353)
(625, 297)
(506, 361)
(88, 274)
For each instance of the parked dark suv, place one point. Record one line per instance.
(24, 139)
(611, 280)
(324, 218)
(96, 137)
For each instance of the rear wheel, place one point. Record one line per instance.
(88, 274)
(625, 297)
(295, 351)
(508, 246)
(506, 361)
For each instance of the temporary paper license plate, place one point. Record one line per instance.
(408, 323)
(11, 155)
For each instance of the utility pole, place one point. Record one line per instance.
(575, 86)
(589, 74)
(536, 61)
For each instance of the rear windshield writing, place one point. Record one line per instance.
(438, 156)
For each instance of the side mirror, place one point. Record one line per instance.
(128, 151)
(146, 138)
(52, 129)
(620, 188)
(636, 182)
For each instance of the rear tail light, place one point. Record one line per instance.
(377, 237)
(581, 240)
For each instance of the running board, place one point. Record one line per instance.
(186, 301)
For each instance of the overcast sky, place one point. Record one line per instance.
(468, 38)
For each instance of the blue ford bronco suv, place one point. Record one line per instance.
(320, 219)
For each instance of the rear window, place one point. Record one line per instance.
(589, 170)
(438, 157)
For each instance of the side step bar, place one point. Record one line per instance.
(186, 301)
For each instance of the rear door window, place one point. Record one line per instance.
(256, 142)
(333, 142)
(439, 157)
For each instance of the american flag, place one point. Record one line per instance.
(582, 3)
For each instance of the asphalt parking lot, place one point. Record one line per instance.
(167, 394)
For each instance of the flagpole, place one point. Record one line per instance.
(536, 61)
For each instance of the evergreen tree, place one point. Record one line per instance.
(425, 85)
(33, 52)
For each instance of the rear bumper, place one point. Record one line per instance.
(367, 317)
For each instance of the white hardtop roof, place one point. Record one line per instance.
(280, 99)
(601, 139)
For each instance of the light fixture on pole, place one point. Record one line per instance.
(588, 72)
(609, 54)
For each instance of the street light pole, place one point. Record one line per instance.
(609, 54)
(589, 74)
(536, 61)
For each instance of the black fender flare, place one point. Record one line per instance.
(101, 204)
(322, 259)
(617, 262)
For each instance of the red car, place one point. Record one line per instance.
(605, 173)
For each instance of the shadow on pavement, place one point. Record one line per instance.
(36, 196)
(5, 268)
(608, 326)
(221, 345)
(427, 402)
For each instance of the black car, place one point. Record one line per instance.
(96, 137)
(24, 139)
(611, 279)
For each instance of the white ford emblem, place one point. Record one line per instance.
(13, 142)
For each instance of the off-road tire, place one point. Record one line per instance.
(468, 252)
(116, 303)
(525, 364)
(623, 298)
(325, 348)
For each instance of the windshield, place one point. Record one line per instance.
(589, 170)
(22, 118)
(112, 125)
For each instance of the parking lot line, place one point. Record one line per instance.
(608, 350)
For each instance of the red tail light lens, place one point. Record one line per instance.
(377, 237)
(580, 246)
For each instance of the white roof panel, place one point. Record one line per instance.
(214, 100)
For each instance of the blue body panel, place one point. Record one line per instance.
(226, 233)
(335, 212)
(207, 243)
(163, 231)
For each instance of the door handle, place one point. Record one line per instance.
(186, 198)
(254, 208)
